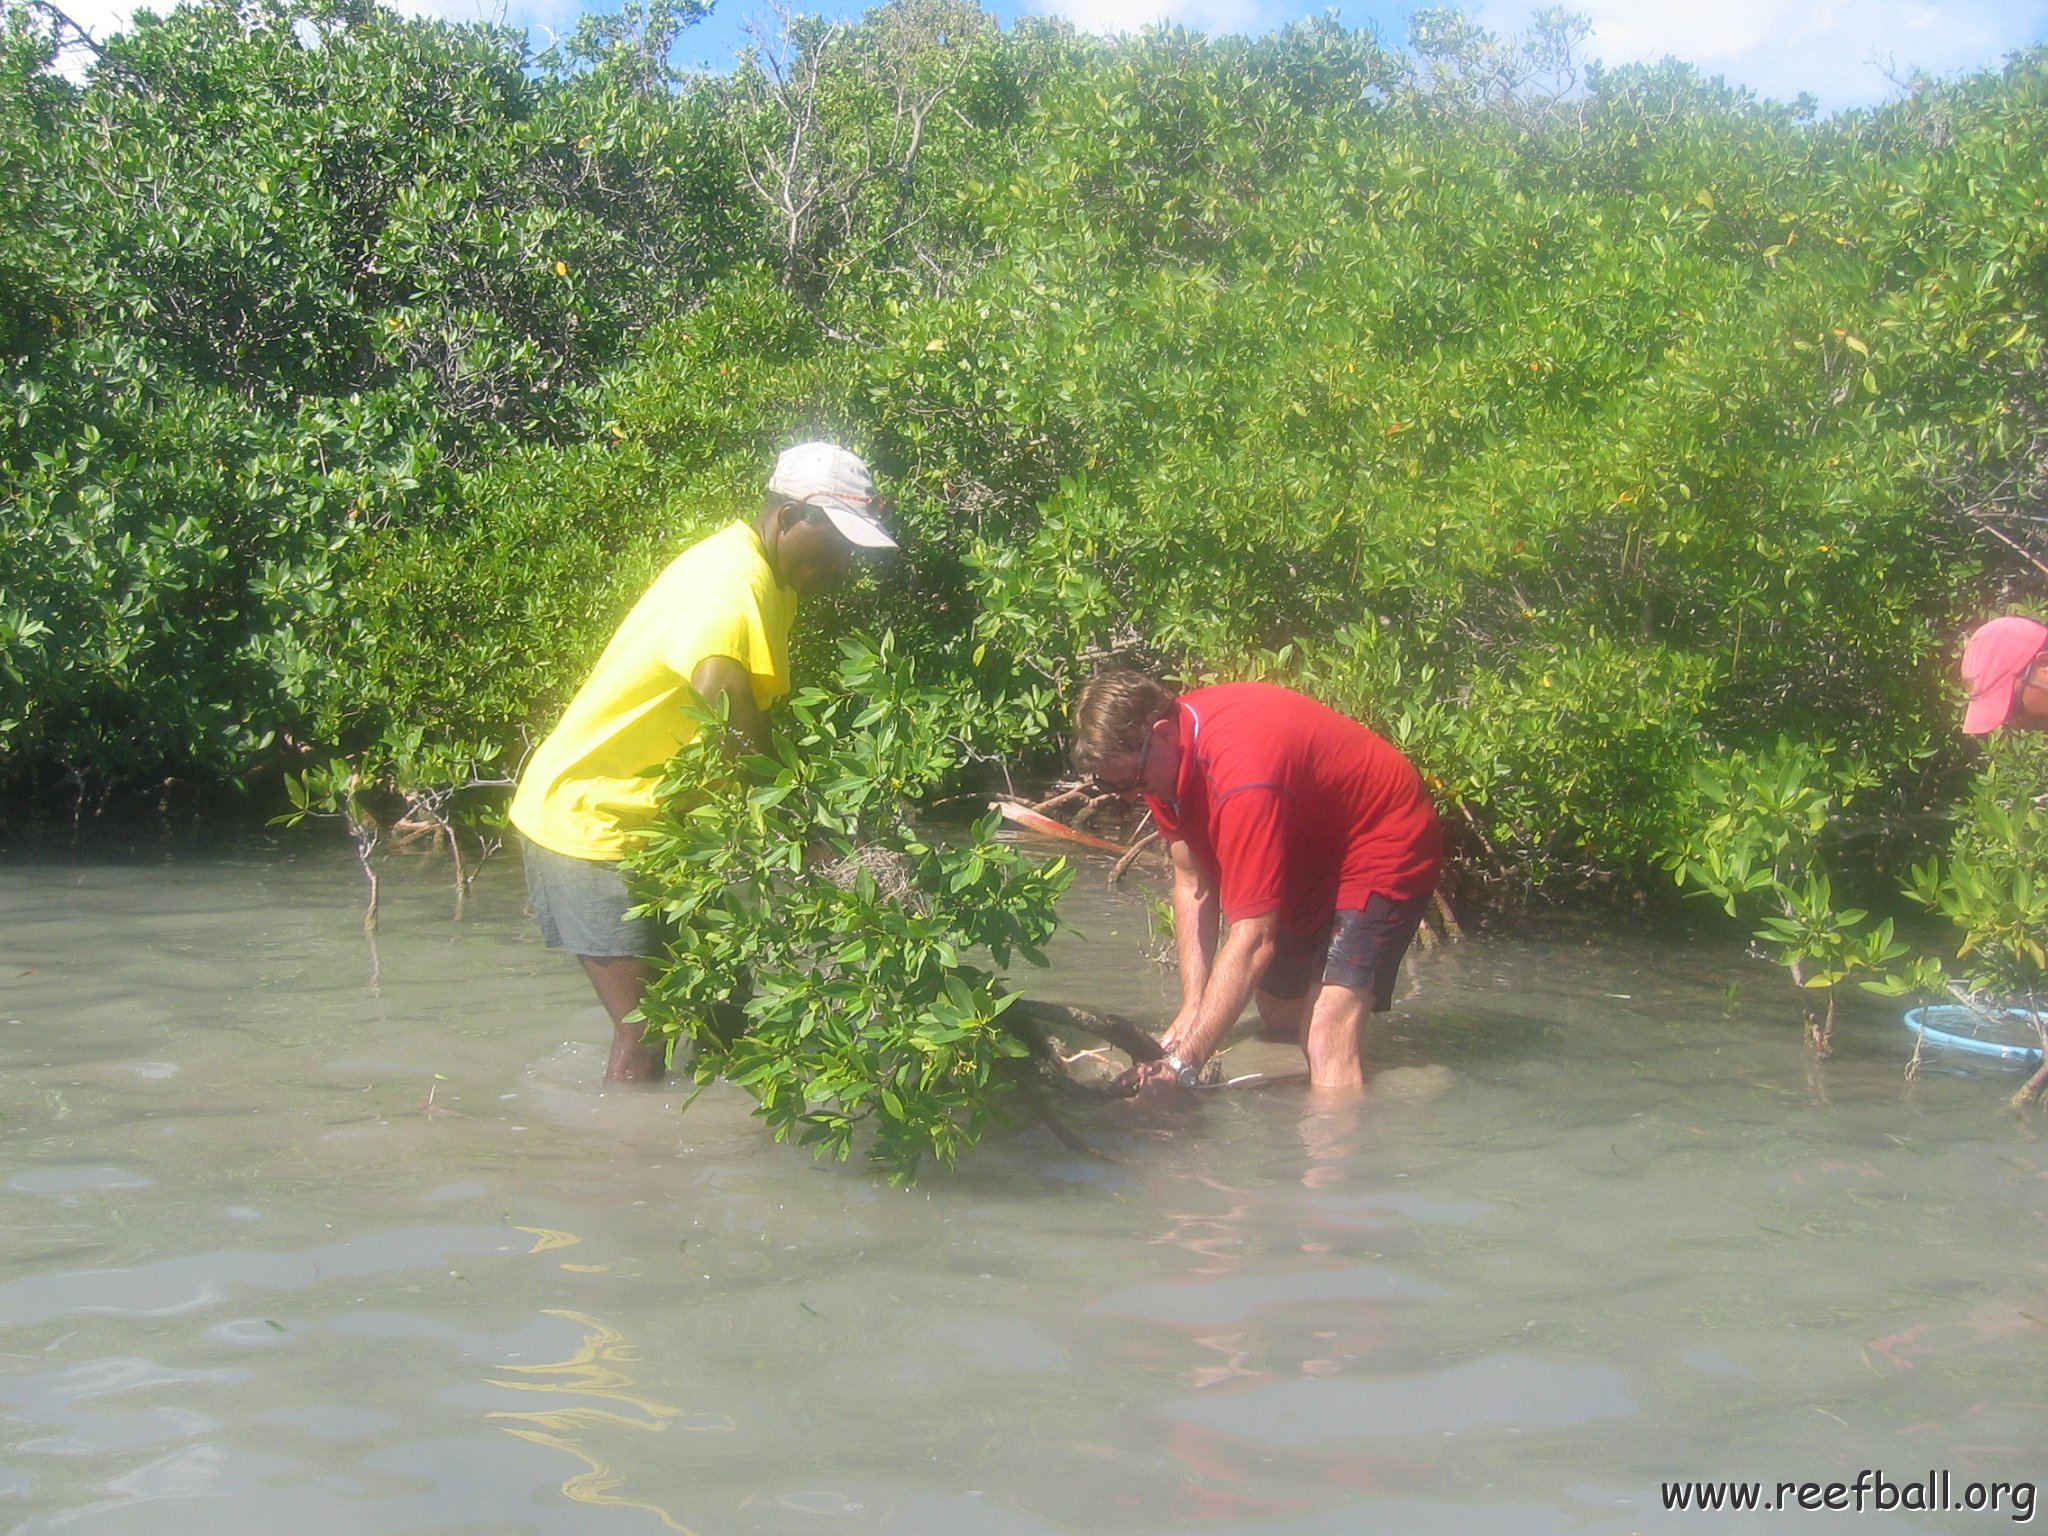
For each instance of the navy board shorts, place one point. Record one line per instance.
(581, 905)
(1360, 949)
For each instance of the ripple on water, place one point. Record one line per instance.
(172, 1286)
(1504, 1391)
(1641, 1235)
(67, 1405)
(999, 1344)
(1206, 1303)
(64, 1181)
(330, 1422)
(1424, 1208)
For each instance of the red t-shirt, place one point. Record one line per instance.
(1296, 809)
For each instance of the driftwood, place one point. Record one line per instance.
(1426, 935)
(1052, 803)
(1037, 1022)
(1050, 826)
(1034, 818)
(1034, 1018)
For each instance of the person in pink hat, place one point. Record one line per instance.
(714, 626)
(2006, 670)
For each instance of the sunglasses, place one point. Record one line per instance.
(1097, 786)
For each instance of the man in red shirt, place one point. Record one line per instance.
(1313, 838)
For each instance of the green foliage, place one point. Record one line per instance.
(1573, 426)
(1771, 823)
(1993, 887)
(162, 572)
(1573, 417)
(862, 950)
(855, 138)
(483, 621)
(1762, 819)
(273, 275)
(1761, 843)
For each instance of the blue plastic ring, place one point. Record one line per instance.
(1928, 1024)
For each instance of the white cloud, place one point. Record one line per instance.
(1843, 51)
(1110, 17)
(103, 18)
(555, 15)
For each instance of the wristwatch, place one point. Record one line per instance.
(1184, 1073)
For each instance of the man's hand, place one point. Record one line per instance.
(1177, 1031)
(1149, 1079)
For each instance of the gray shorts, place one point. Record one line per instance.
(1359, 949)
(581, 905)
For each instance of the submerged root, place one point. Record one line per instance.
(1062, 1133)
(2030, 1091)
(1820, 1030)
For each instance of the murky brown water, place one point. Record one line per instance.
(308, 1235)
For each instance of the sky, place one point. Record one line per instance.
(1847, 53)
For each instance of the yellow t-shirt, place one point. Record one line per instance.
(590, 786)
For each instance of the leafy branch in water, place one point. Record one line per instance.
(826, 955)
(1758, 846)
(1994, 890)
(1761, 850)
(400, 793)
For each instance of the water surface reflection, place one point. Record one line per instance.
(311, 1237)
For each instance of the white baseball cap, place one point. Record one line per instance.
(837, 483)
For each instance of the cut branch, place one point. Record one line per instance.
(1111, 1028)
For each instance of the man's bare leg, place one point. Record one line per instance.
(1284, 1018)
(1335, 1044)
(620, 981)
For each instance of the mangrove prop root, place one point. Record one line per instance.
(1427, 936)
(1122, 865)
(1111, 1028)
(2030, 1090)
(1452, 930)
(1820, 1029)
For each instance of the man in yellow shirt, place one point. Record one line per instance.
(715, 625)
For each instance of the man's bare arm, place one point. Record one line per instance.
(720, 677)
(1195, 923)
(1204, 1020)
(1247, 948)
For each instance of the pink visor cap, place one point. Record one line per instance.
(1994, 657)
(837, 483)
